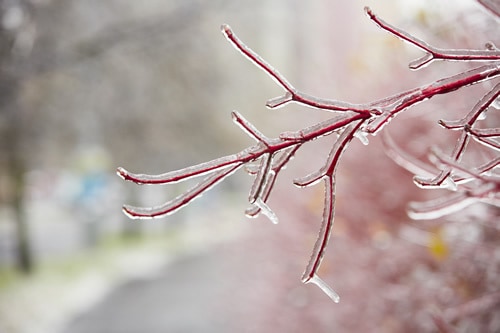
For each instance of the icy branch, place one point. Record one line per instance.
(433, 53)
(266, 158)
(478, 109)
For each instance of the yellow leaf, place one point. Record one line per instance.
(438, 247)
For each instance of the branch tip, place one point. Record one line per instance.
(421, 62)
(122, 173)
(279, 101)
(369, 12)
(226, 30)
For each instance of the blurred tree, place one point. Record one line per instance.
(14, 45)
(79, 74)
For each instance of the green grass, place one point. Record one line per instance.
(99, 257)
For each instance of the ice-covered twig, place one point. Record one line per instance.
(327, 173)
(406, 160)
(470, 174)
(417, 167)
(486, 136)
(291, 94)
(470, 185)
(391, 106)
(183, 199)
(479, 108)
(433, 53)
(439, 207)
(443, 179)
(278, 164)
(266, 150)
(466, 125)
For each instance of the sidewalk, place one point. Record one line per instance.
(47, 301)
(181, 297)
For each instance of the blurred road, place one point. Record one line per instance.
(181, 297)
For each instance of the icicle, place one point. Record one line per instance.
(325, 288)
(264, 208)
(362, 136)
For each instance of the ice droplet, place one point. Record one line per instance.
(325, 288)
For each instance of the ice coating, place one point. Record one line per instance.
(248, 128)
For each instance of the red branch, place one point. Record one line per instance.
(434, 53)
(265, 159)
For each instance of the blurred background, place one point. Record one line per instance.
(87, 86)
